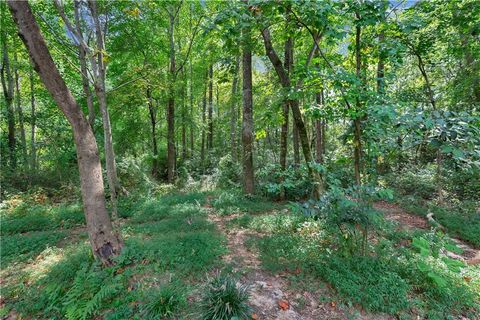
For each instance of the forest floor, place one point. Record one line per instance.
(182, 239)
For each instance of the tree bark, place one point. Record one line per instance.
(33, 147)
(319, 130)
(357, 130)
(8, 89)
(105, 243)
(102, 102)
(171, 152)
(153, 122)
(247, 121)
(18, 101)
(210, 108)
(233, 113)
(204, 118)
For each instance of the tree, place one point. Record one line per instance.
(247, 121)
(105, 243)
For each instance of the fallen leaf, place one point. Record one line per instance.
(283, 304)
(333, 304)
(254, 316)
(467, 279)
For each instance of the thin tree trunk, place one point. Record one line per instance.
(153, 122)
(33, 117)
(210, 108)
(319, 140)
(357, 131)
(171, 152)
(233, 113)
(192, 122)
(83, 68)
(247, 122)
(21, 123)
(184, 119)
(296, 145)
(8, 89)
(204, 117)
(105, 243)
(102, 102)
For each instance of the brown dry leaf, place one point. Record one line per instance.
(333, 304)
(254, 316)
(467, 279)
(283, 304)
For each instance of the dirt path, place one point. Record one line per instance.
(408, 221)
(270, 296)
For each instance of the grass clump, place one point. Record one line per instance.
(164, 302)
(224, 299)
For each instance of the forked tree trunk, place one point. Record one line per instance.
(247, 121)
(105, 243)
(102, 102)
(284, 78)
(83, 68)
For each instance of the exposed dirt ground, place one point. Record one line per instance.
(410, 221)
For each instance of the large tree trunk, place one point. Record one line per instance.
(247, 121)
(102, 102)
(153, 122)
(105, 243)
(7, 86)
(210, 108)
(297, 115)
(233, 113)
(21, 123)
(171, 152)
(83, 68)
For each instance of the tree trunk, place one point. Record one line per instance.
(83, 68)
(192, 141)
(105, 243)
(184, 120)
(247, 121)
(21, 123)
(210, 108)
(171, 152)
(296, 146)
(153, 122)
(319, 139)
(357, 131)
(102, 102)
(233, 113)
(297, 115)
(33, 148)
(204, 117)
(7, 86)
